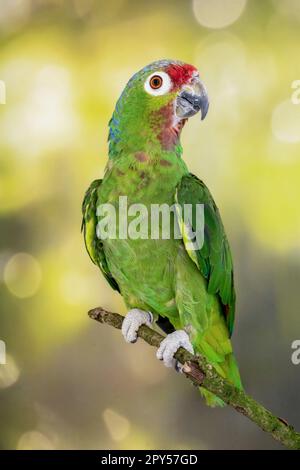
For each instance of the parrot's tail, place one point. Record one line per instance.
(211, 399)
(229, 370)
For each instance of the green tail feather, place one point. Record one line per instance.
(228, 370)
(211, 399)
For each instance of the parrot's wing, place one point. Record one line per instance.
(213, 258)
(93, 245)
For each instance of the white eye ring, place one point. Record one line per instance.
(163, 88)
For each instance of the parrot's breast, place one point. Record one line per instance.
(144, 266)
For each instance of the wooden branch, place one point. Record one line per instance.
(200, 372)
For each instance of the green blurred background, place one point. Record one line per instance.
(68, 382)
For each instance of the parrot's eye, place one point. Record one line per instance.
(158, 83)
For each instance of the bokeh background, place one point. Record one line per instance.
(68, 382)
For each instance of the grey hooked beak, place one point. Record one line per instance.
(192, 99)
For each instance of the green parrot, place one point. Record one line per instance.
(187, 288)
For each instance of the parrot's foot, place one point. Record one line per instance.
(170, 345)
(133, 320)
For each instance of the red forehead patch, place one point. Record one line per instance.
(180, 74)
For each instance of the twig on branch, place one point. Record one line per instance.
(200, 372)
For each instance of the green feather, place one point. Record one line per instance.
(93, 245)
(214, 258)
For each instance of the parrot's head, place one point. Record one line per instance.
(155, 104)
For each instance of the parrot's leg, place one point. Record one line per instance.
(170, 345)
(133, 320)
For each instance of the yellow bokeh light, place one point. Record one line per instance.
(289, 8)
(34, 440)
(22, 275)
(286, 122)
(117, 425)
(9, 372)
(218, 13)
(46, 117)
(75, 288)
